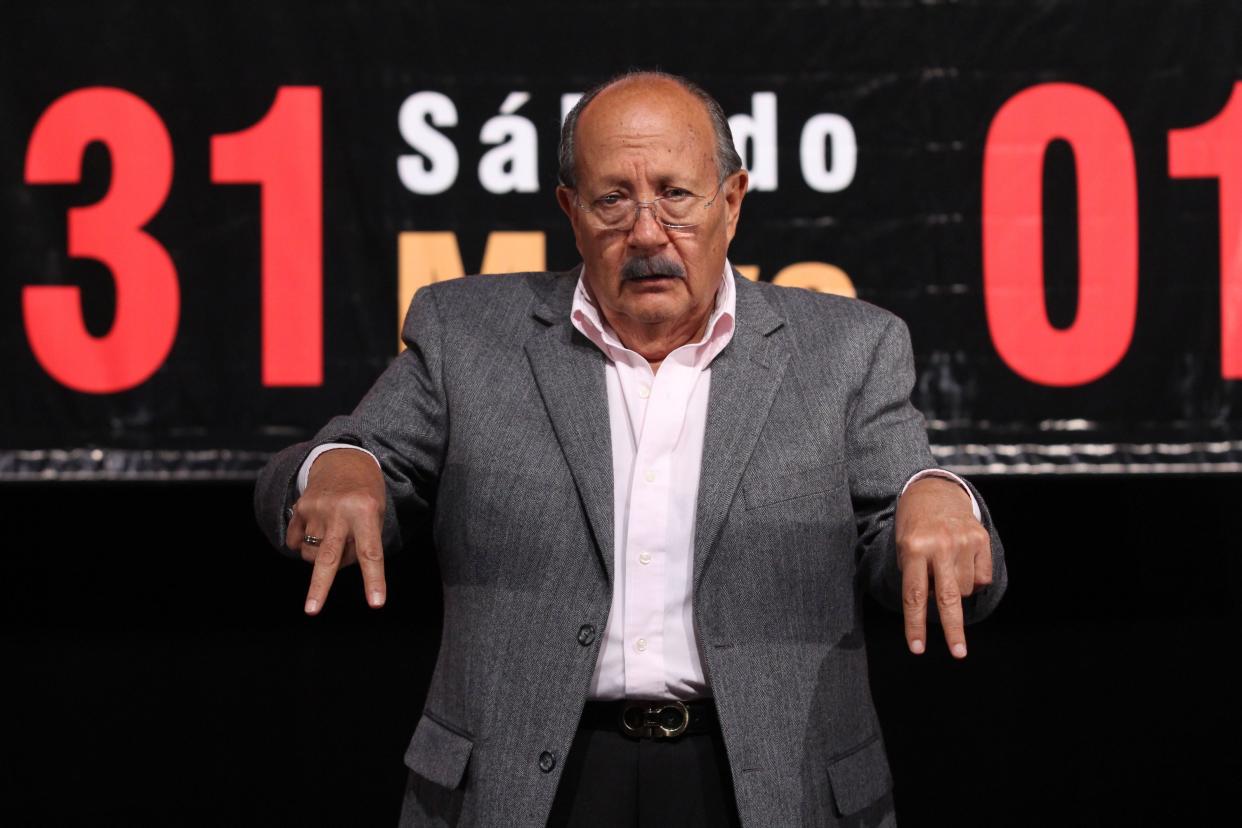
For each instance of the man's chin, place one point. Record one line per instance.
(655, 307)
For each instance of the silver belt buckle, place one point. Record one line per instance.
(655, 720)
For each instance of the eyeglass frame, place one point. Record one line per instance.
(650, 205)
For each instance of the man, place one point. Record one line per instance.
(657, 492)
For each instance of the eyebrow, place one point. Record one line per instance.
(668, 180)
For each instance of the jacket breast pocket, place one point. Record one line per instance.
(765, 489)
(438, 753)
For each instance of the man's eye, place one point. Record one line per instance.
(610, 200)
(677, 194)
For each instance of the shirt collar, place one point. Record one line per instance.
(589, 321)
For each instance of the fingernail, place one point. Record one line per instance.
(311, 606)
(959, 650)
(377, 598)
(916, 646)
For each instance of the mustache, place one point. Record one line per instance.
(652, 266)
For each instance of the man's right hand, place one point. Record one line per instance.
(343, 504)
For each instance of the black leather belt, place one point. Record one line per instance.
(651, 719)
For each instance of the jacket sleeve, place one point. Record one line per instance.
(886, 444)
(402, 420)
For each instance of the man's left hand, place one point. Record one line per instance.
(940, 546)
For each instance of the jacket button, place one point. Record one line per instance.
(546, 761)
(586, 635)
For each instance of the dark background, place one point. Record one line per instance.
(157, 667)
(159, 670)
(920, 82)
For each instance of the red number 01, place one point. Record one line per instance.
(148, 299)
(1013, 255)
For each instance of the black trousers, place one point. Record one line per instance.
(614, 781)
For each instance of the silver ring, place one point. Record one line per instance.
(312, 540)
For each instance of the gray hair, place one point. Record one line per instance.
(727, 159)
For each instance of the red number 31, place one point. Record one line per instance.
(281, 153)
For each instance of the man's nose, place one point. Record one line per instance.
(647, 230)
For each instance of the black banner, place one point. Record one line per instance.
(214, 214)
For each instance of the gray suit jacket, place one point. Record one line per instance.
(494, 423)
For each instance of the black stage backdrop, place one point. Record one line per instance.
(244, 195)
(214, 213)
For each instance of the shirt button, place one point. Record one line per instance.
(641, 645)
(644, 391)
(649, 475)
(547, 761)
(644, 558)
(586, 635)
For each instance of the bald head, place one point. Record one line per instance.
(658, 90)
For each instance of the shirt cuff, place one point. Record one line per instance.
(974, 504)
(304, 471)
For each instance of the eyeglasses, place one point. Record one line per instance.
(679, 210)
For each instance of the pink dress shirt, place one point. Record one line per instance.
(657, 422)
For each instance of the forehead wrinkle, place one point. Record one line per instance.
(651, 157)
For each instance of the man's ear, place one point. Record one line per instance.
(566, 198)
(735, 191)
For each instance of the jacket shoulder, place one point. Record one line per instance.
(828, 317)
(468, 293)
(478, 305)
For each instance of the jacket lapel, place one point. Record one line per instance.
(569, 371)
(745, 376)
